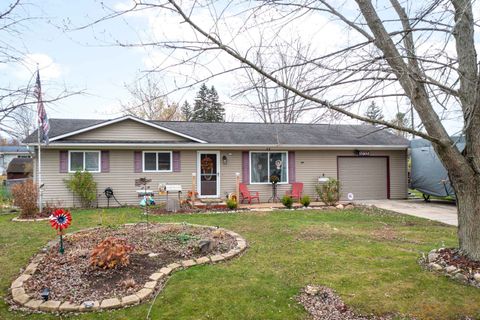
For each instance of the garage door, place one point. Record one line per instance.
(364, 177)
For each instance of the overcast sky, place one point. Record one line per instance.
(86, 59)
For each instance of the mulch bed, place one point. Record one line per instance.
(70, 276)
(322, 303)
(454, 257)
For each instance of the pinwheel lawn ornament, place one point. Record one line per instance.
(61, 220)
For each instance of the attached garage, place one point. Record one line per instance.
(367, 178)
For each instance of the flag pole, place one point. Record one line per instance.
(39, 177)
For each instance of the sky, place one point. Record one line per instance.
(88, 60)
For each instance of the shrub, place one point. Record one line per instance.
(50, 207)
(84, 186)
(110, 253)
(329, 192)
(231, 204)
(305, 200)
(5, 196)
(287, 201)
(25, 197)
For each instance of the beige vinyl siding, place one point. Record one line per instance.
(127, 130)
(121, 177)
(310, 165)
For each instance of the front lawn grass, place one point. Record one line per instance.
(369, 258)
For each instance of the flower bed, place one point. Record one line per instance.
(158, 249)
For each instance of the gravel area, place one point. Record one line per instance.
(70, 276)
(322, 303)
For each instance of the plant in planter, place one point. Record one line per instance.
(25, 197)
(287, 201)
(110, 253)
(82, 184)
(329, 192)
(305, 201)
(231, 204)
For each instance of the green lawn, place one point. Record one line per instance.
(369, 259)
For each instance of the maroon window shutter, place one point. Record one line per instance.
(105, 161)
(176, 161)
(291, 166)
(63, 162)
(137, 161)
(245, 167)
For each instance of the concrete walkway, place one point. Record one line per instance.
(436, 210)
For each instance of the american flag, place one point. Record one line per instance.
(43, 124)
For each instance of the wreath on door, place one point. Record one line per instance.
(207, 167)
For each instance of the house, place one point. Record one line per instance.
(7, 153)
(370, 163)
(20, 168)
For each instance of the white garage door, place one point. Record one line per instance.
(364, 177)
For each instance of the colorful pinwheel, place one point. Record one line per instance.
(60, 219)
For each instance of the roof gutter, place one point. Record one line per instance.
(211, 146)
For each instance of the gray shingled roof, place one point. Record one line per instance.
(245, 133)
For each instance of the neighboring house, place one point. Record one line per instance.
(370, 163)
(7, 153)
(20, 168)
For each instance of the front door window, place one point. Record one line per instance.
(208, 174)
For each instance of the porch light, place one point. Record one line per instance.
(224, 159)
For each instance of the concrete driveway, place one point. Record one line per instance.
(437, 210)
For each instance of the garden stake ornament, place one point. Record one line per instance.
(60, 220)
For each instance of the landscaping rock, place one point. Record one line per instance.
(188, 263)
(144, 294)
(311, 290)
(110, 303)
(150, 285)
(31, 268)
(202, 260)
(349, 206)
(339, 206)
(205, 246)
(451, 269)
(435, 266)
(50, 305)
(216, 258)
(33, 304)
(432, 256)
(69, 307)
(20, 280)
(461, 277)
(476, 276)
(152, 255)
(129, 300)
(174, 266)
(165, 271)
(156, 276)
(89, 306)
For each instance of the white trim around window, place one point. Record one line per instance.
(156, 161)
(285, 165)
(84, 152)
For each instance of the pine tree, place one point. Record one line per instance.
(374, 112)
(216, 111)
(207, 107)
(200, 108)
(187, 111)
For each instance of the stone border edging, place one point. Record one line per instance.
(17, 219)
(23, 299)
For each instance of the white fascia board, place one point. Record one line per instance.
(109, 122)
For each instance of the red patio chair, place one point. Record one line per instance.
(297, 189)
(246, 195)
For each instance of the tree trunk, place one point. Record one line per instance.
(468, 205)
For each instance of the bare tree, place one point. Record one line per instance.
(274, 103)
(148, 102)
(419, 52)
(16, 102)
